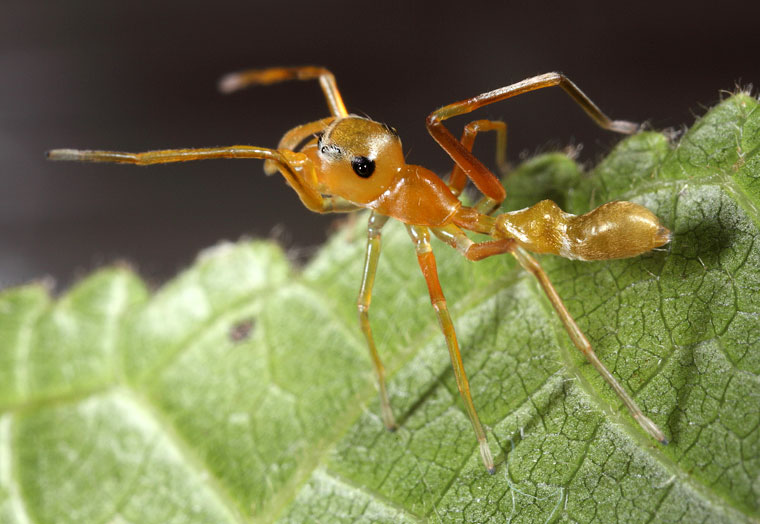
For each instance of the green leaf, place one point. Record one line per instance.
(242, 391)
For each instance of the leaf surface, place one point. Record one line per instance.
(242, 390)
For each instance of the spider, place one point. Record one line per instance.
(348, 163)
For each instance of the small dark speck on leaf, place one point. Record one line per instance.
(241, 330)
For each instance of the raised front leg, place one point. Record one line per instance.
(376, 222)
(295, 167)
(483, 179)
(241, 79)
(421, 238)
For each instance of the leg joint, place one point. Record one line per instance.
(440, 306)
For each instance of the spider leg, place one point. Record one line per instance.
(295, 136)
(458, 178)
(581, 342)
(458, 239)
(483, 179)
(235, 81)
(295, 167)
(421, 238)
(454, 236)
(376, 222)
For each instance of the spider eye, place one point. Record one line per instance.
(363, 166)
(329, 149)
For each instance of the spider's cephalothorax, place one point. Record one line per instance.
(357, 159)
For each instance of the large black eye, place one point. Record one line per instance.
(363, 166)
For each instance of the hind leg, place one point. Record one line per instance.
(581, 342)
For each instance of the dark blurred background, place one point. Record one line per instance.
(115, 75)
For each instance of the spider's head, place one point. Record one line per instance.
(358, 158)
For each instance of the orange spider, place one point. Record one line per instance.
(350, 163)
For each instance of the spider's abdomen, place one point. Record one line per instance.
(614, 230)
